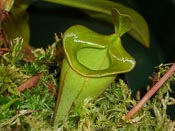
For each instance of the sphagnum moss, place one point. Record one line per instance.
(33, 109)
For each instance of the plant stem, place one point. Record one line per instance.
(151, 92)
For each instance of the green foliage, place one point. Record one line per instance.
(16, 55)
(47, 55)
(101, 9)
(38, 101)
(108, 110)
(10, 74)
(17, 23)
(6, 5)
(16, 48)
(33, 109)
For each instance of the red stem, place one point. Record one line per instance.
(151, 92)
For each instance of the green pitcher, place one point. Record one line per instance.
(92, 62)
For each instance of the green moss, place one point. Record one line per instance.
(33, 109)
(107, 112)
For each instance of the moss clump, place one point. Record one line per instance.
(33, 108)
(107, 112)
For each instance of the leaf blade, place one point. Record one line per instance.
(139, 29)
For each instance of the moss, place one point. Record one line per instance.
(33, 108)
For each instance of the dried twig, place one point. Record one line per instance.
(33, 81)
(3, 38)
(4, 50)
(52, 88)
(151, 92)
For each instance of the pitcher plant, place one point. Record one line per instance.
(92, 62)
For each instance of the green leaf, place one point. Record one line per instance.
(122, 22)
(17, 23)
(7, 105)
(6, 5)
(102, 9)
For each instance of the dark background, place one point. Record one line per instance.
(160, 15)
